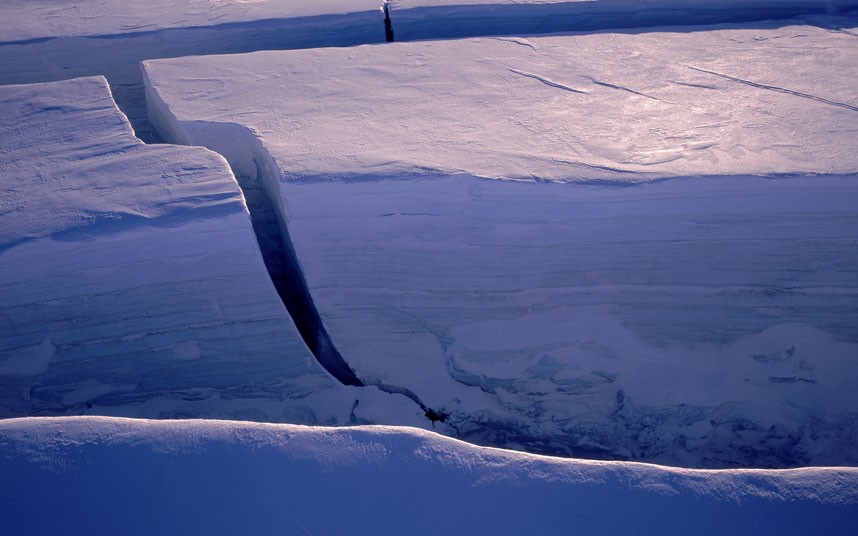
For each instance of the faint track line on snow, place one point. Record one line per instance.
(777, 89)
(838, 30)
(547, 82)
(623, 88)
(520, 42)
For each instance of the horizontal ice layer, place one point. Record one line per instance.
(109, 476)
(44, 40)
(47, 40)
(41, 20)
(589, 306)
(435, 19)
(565, 108)
(130, 278)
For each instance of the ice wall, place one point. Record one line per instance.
(131, 282)
(574, 244)
(436, 19)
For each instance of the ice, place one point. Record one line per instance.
(571, 244)
(110, 476)
(435, 19)
(131, 282)
(48, 40)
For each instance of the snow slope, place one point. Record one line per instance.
(131, 282)
(487, 223)
(111, 476)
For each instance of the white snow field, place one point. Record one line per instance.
(48, 40)
(131, 282)
(107, 476)
(638, 245)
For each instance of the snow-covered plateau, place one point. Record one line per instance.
(638, 245)
(102, 476)
(131, 282)
(48, 40)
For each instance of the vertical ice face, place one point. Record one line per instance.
(130, 278)
(572, 244)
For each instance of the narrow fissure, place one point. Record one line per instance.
(284, 270)
(388, 24)
(281, 261)
(282, 264)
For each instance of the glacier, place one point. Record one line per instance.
(107, 476)
(570, 244)
(131, 282)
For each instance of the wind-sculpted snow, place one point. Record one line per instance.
(571, 244)
(131, 282)
(116, 476)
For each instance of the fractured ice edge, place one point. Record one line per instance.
(476, 225)
(131, 282)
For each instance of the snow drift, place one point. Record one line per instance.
(488, 223)
(109, 476)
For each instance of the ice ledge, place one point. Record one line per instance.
(131, 283)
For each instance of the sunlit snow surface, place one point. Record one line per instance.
(131, 282)
(113, 476)
(47, 40)
(582, 303)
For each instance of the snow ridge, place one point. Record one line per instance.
(219, 477)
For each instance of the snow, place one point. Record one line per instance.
(33, 21)
(49, 40)
(571, 244)
(109, 476)
(598, 107)
(131, 282)
(41, 19)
